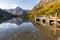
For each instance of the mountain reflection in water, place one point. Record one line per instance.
(19, 29)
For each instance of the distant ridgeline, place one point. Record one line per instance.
(17, 11)
(45, 7)
(4, 14)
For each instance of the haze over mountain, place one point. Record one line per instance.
(17, 11)
(4, 16)
(4, 13)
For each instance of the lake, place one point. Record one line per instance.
(19, 29)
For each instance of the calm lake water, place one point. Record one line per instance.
(19, 29)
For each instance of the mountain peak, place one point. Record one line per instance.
(17, 11)
(18, 8)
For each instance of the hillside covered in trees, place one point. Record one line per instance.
(51, 8)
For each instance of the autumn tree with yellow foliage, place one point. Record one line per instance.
(51, 8)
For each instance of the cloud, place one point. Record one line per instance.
(8, 6)
(8, 25)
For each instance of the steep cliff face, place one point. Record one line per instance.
(43, 3)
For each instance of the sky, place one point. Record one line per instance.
(24, 4)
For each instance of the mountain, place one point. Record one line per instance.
(45, 7)
(4, 14)
(17, 11)
(43, 3)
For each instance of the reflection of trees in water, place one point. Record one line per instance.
(1, 16)
(4, 19)
(17, 20)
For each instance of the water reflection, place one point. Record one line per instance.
(4, 19)
(47, 31)
(17, 20)
(19, 29)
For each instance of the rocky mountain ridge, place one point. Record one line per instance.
(17, 11)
